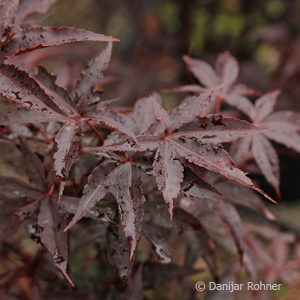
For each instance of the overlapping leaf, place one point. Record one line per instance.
(283, 127)
(198, 238)
(25, 201)
(34, 37)
(28, 7)
(119, 252)
(68, 140)
(226, 73)
(39, 92)
(54, 239)
(225, 211)
(197, 141)
(130, 199)
(8, 10)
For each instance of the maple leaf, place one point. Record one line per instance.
(197, 237)
(198, 189)
(241, 195)
(130, 199)
(37, 200)
(18, 38)
(160, 247)
(28, 7)
(283, 127)
(68, 140)
(226, 73)
(90, 78)
(39, 92)
(50, 224)
(119, 252)
(8, 11)
(198, 141)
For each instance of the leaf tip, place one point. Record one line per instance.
(68, 278)
(265, 195)
(68, 227)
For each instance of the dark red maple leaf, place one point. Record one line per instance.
(125, 176)
(17, 38)
(181, 134)
(28, 7)
(283, 127)
(47, 101)
(23, 201)
(226, 73)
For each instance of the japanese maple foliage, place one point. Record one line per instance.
(144, 174)
(283, 126)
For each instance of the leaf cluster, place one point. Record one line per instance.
(154, 176)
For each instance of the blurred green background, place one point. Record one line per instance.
(154, 34)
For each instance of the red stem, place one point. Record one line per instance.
(96, 131)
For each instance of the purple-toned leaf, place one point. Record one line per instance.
(96, 104)
(22, 116)
(265, 105)
(35, 170)
(130, 202)
(31, 38)
(240, 150)
(227, 67)
(189, 88)
(243, 196)
(284, 128)
(244, 90)
(196, 187)
(59, 95)
(153, 233)
(198, 238)
(168, 172)
(115, 120)
(193, 107)
(215, 129)
(17, 189)
(8, 222)
(28, 209)
(211, 157)
(129, 198)
(99, 181)
(160, 113)
(144, 115)
(267, 160)
(71, 204)
(53, 238)
(91, 75)
(202, 71)
(19, 86)
(118, 249)
(241, 103)
(145, 143)
(67, 142)
(28, 7)
(8, 11)
(232, 220)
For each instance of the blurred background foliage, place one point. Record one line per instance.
(203, 27)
